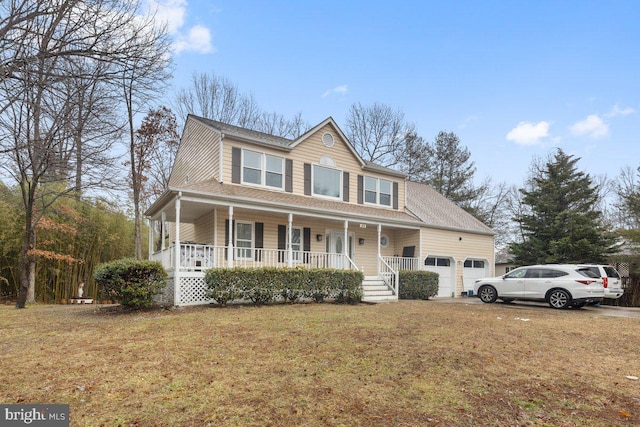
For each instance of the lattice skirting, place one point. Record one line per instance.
(192, 290)
(166, 297)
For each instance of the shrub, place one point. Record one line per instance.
(418, 284)
(263, 285)
(131, 282)
(293, 283)
(223, 285)
(350, 286)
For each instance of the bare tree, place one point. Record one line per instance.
(142, 77)
(156, 145)
(42, 41)
(378, 133)
(217, 98)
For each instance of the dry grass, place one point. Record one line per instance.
(402, 364)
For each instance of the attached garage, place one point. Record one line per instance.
(445, 267)
(473, 270)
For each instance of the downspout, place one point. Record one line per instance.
(345, 250)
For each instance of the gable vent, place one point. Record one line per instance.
(327, 140)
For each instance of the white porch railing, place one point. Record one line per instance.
(197, 257)
(388, 274)
(402, 263)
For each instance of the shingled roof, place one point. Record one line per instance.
(437, 211)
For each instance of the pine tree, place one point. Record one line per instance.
(561, 224)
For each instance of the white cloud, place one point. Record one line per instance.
(617, 111)
(342, 89)
(529, 133)
(173, 13)
(593, 126)
(197, 40)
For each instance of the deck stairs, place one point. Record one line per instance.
(375, 290)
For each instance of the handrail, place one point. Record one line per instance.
(389, 275)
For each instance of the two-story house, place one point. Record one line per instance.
(238, 197)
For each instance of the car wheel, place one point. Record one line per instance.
(488, 294)
(559, 299)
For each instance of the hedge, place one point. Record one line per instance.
(418, 284)
(131, 282)
(264, 285)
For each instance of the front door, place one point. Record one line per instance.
(336, 248)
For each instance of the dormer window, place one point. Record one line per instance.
(378, 191)
(262, 169)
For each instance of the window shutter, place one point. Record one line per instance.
(259, 244)
(360, 189)
(235, 165)
(345, 186)
(395, 195)
(306, 237)
(282, 241)
(288, 175)
(307, 179)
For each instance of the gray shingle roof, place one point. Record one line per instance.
(438, 211)
(247, 134)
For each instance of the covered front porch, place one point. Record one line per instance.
(191, 234)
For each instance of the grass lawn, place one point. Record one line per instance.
(411, 363)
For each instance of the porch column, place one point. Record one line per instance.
(176, 257)
(378, 244)
(345, 251)
(230, 250)
(289, 239)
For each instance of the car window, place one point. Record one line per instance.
(516, 274)
(548, 273)
(611, 272)
(588, 272)
(534, 273)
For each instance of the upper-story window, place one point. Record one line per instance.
(262, 169)
(377, 191)
(327, 181)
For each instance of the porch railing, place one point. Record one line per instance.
(402, 263)
(198, 257)
(388, 274)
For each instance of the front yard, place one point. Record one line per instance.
(410, 363)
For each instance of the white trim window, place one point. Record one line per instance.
(262, 169)
(244, 240)
(378, 191)
(327, 182)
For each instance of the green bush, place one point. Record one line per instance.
(263, 285)
(223, 285)
(131, 282)
(418, 284)
(293, 283)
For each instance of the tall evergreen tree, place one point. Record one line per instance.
(560, 224)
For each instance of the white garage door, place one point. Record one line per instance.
(474, 269)
(444, 267)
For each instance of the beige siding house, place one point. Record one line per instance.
(240, 198)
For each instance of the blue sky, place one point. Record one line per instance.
(512, 79)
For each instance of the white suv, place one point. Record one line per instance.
(610, 277)
(561, 285)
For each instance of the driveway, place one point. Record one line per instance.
(604, 310)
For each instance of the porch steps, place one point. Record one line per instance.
(375, 290)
